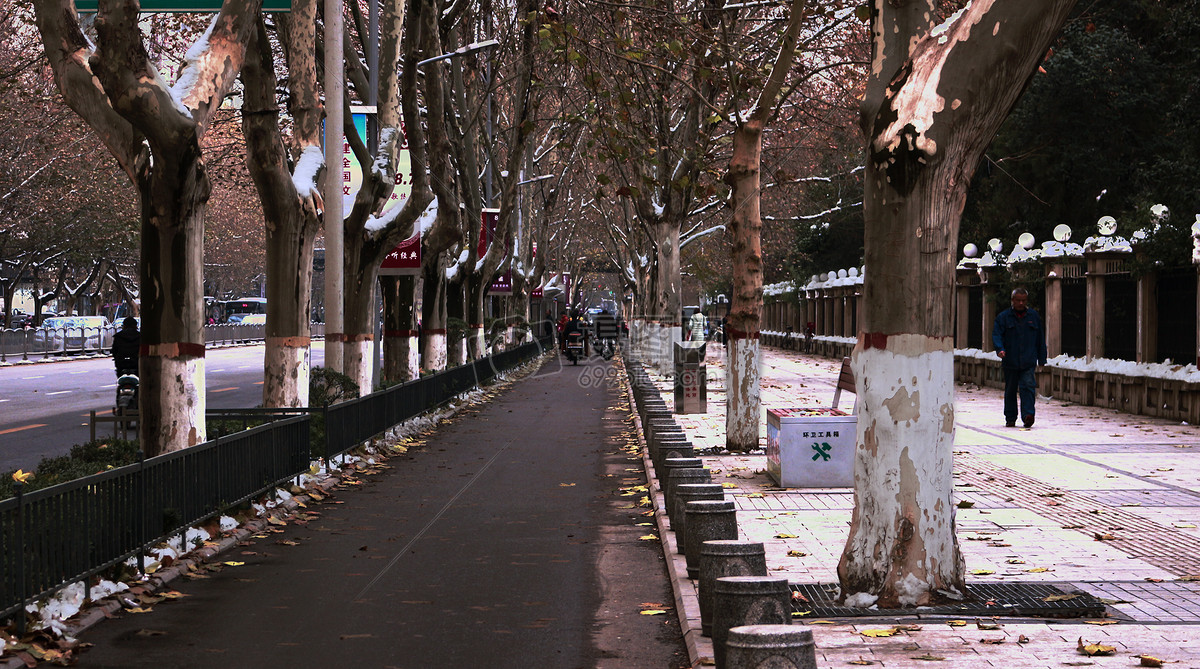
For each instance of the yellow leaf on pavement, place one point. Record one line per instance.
(982, 572)
(648, 537)
(1149, 661)
(1091, 649)
(784, 535)
(891, 631)
(231, 563)
(1038, 570)
(796, 554)
(956, 623)
(653, 612)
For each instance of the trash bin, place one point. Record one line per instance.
(811, 447)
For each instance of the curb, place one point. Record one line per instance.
(687, 603)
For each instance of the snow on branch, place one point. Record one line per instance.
(700, 235)
(312, 159)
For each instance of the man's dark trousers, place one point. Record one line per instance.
(1022, 384)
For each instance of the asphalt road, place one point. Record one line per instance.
(502, 540)
(44, 407)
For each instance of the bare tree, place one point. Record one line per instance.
(935, 97)
(154, 132)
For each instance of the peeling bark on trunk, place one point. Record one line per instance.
(933, 103)
(663, 330)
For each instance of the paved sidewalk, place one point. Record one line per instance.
(1041, 497)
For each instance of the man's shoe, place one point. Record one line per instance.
(1028, 420)
(1011, 423)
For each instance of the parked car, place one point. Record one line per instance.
(73, 333)
(252, 319)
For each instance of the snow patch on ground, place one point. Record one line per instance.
(861, 600)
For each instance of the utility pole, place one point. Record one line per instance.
(335, 230)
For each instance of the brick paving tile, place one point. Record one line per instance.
(1038, 499)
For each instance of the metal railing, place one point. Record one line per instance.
(35, 343)
(73, 531)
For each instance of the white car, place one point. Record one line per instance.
(254, 319)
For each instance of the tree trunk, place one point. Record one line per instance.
(291, 217)
(743, 404)
(433, 318)
(456, 346)
(663, 327)
(401, 360)
(174, 196)
(932, 105)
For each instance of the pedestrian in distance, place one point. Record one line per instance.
(696, 327)
(126, 347)
(1020, 341)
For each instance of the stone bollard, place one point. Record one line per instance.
(680, 470)
(726, 558)
(774, 646)
(672, 447)
(747, 600)
(683, 493)
(663, 443)
(705, 521)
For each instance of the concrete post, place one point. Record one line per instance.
(1095, 308)
(747, 600)
(776, 646)
(1147, 318)
(706, 521)
(1052, 318)
(722, 558)
(690, 492)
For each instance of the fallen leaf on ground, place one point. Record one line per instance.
(956, 623)
(987, 626)
(796, 554)
(1149, 661)
(1091, 649)
(653, 612)
(231, 563)
(982, 572)
(964, 504)
(1022, 639)
(1058, 598)
(891, 631)
(784, 535)
(1103, 537)
(861, 662)
(928, 658)
(1038, 570)
(648, 537)
(993, 641)
(1102, 622)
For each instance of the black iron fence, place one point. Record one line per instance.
(73, 531)
(45, 342)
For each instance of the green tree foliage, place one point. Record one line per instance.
(1110, 126)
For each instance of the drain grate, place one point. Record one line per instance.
(1022, 600)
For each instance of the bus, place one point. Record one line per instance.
(232, 311)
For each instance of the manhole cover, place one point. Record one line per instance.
(1022, 600)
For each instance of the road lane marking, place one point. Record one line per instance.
(5, 400)
(30, 378)
(24, 427)
(58, 392)
(98, 413)
(83, 372)
(258, 383)
(221, 390)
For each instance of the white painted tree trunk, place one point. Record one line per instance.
(286, 372)
(902, 531)
(742, 374)
(357, 357)
(180, 421)
(433, 344)
(476, 342)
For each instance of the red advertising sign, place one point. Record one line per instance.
(404, 259)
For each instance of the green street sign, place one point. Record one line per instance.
(186, 5)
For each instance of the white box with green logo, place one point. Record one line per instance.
(811, 447)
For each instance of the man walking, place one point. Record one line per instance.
(1020, 341)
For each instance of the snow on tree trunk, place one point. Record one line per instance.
(934, 100)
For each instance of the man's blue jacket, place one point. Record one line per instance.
(1023, 339)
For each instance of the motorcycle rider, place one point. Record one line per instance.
(126, 347)
(575, 324)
